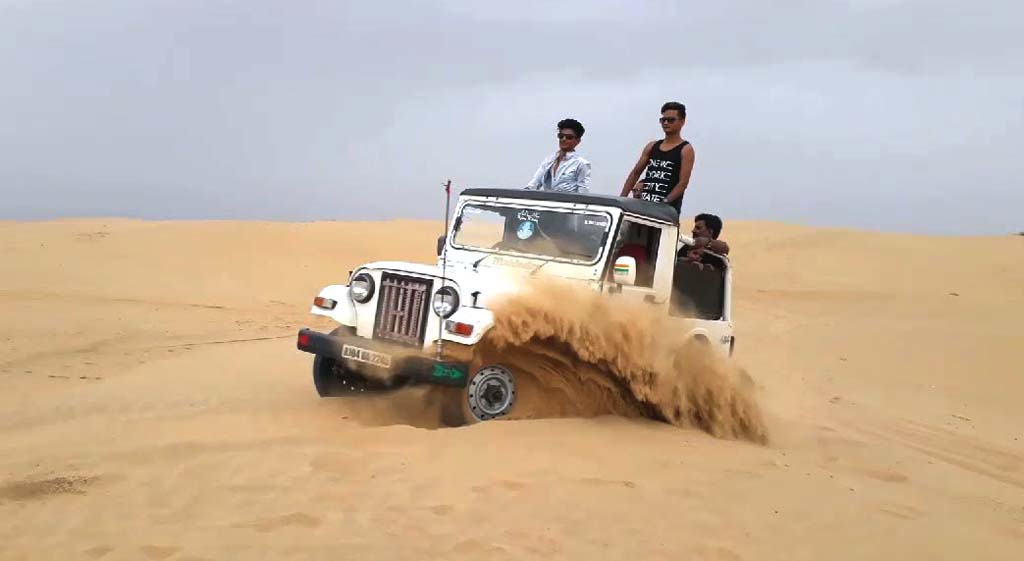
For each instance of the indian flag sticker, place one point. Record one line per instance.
(622, 269)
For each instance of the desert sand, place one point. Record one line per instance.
(154, 407)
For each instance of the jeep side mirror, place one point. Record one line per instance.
(440, 245)
(624, 271)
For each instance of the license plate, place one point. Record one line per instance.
(366, 355)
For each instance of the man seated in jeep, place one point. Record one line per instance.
(706, 229)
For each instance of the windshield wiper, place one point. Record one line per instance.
(477, 262)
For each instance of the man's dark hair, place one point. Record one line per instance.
(677, 106)
(573, 125)
(713, 223)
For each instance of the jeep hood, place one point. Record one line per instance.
(406, 267)
(488, 281)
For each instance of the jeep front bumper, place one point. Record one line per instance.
(415, 367)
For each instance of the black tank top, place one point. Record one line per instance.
(663, 174)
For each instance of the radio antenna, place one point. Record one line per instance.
(444, 262)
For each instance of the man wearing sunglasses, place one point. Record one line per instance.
(668, 162)
(565, 170)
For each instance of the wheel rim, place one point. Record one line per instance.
(492, 392)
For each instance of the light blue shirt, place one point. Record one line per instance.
(573, 174)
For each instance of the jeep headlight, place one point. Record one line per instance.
(446, 301)
(361, 288)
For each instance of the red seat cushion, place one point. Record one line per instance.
(635, 251)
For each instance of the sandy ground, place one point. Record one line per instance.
(154, 407)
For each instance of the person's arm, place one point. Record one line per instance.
(684, 175)
(716, 246)
(638, 168)
(583, 177)
(537, 176)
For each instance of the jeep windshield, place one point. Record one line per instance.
(547, 233)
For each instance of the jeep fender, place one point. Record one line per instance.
(481, 319)
(722, 343)
(344, 311)
(698, 334)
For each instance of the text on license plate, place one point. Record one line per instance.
(367, 356)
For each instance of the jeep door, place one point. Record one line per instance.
(652, 245)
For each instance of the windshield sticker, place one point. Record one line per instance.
(602, 222)
(531, 216)
(525, 230)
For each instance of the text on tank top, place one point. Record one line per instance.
(662, 174)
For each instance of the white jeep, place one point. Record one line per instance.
(399, 322)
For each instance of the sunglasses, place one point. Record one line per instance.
(664, 120)
(566, 136)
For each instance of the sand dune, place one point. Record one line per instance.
(154, 407)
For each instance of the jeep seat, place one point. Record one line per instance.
(644, 268)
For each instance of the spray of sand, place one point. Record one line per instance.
(580, 353)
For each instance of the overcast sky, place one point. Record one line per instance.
(902, 115)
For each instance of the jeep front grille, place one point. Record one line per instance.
(402, 309)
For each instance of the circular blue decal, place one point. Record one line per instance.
(525, 229)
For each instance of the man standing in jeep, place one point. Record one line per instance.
(565, 170)
(668, 162)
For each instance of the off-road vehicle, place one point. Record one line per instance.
(405, 323)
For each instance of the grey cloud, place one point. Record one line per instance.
(892, 114)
